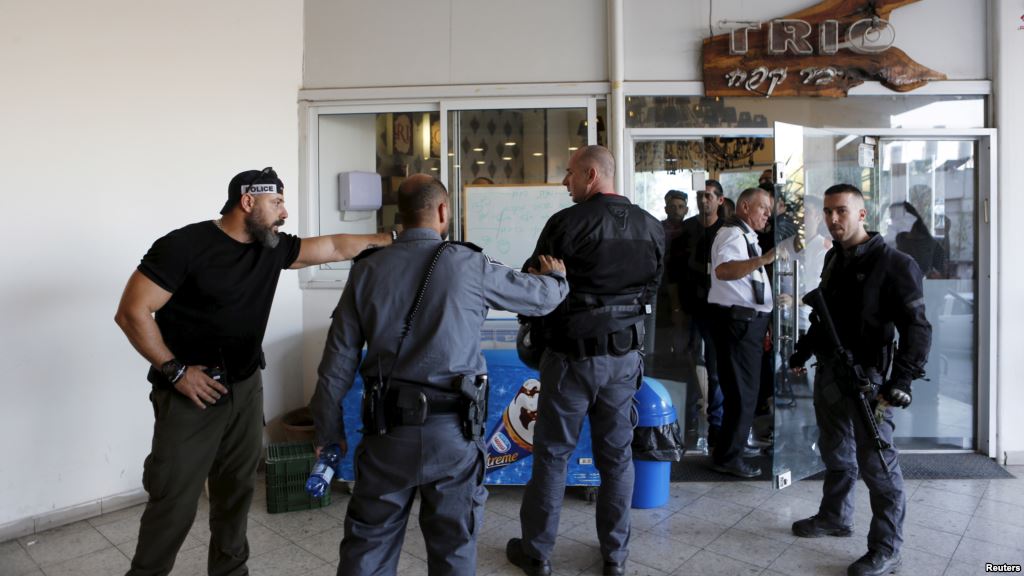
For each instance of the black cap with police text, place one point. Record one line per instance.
(252, 182)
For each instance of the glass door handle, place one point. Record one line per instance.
(796, 301)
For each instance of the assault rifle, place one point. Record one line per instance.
(849, 372)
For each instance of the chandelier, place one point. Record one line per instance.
(714, 154)
(668, 155)
(726, 153)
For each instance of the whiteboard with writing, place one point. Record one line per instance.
(506, 220)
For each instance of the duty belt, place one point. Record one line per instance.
(616, 343)
(744, 313)
(411, 404)
(402, 403)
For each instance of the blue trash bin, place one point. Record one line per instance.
(654, 409)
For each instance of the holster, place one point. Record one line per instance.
(373, 409)
(474, 391)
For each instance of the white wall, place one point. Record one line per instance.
(353, 43)
(121, 121)
(1009, 119)
(664, 37)
(401, 43)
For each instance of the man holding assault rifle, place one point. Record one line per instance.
(869, 291)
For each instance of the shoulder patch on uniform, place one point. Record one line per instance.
(496, 262)
(469, 245)
(367, 253)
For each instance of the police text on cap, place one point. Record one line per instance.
(260, 189)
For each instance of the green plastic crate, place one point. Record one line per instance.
(288, 468)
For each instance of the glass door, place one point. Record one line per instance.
(808, 161)
(668, 172)
(922, 195)
(666, 176)
(930, 196)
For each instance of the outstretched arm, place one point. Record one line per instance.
(536, 293)
(736, 269)
(336, 248)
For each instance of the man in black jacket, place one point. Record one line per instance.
(872, 291)
(613, 253)
(693, 277)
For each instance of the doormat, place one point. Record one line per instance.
(915, 467)
(949, 467)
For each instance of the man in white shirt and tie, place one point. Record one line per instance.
(741, 304)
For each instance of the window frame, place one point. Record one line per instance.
(315, 277)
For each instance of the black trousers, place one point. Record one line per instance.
(847, 448)
(220, 445)
(739, 345)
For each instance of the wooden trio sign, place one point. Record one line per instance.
(822, 51)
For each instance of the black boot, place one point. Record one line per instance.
(875, 563)
(614, 569)
(533, 567)
(814, 527)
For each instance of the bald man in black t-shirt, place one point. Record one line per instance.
(197, 308)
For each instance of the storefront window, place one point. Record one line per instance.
(514, 146)
(505, 168)
(486, 155)
(392, 145)
(897, 111)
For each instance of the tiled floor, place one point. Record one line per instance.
(953, 527)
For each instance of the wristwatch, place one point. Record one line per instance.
(173, 370)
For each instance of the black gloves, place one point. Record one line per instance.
(896, 393)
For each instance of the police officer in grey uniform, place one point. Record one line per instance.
(871, 291)
(592, 364)
(418, 432)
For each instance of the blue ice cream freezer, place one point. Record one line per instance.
(511, 415)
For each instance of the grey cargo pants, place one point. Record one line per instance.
(602, 387)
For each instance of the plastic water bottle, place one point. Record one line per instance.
(702, 445)
(326, 466)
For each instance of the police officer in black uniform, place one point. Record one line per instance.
(592, 363)
(872, 291)
(424, 398)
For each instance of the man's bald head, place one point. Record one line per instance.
(591, 171)
(599, 158)
(419, 198)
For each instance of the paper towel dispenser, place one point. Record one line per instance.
(359, 191)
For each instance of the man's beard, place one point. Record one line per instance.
(264, 234)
